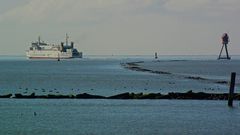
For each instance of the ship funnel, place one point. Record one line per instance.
(72, 44)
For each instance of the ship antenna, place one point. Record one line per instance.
(67, 39)
(39, 40)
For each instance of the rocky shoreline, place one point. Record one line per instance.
(190, 95)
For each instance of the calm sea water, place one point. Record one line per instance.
(105, 76)
(118, 117)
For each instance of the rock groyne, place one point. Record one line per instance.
(190, 95)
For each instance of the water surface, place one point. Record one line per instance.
(97, 117)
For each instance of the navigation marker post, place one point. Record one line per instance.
(231, 89)
(225, 40)
(156, 55)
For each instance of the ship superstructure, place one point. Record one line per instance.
(43, 50)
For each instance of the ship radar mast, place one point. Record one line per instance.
(39, 40)
(67, 39)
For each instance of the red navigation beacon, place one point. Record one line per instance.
(225, 41)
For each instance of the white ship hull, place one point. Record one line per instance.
(48, 54)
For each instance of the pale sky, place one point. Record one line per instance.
(122, 27)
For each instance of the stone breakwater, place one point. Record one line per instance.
(136, 67)
(190, 95)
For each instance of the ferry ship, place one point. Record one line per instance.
(42, 50)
